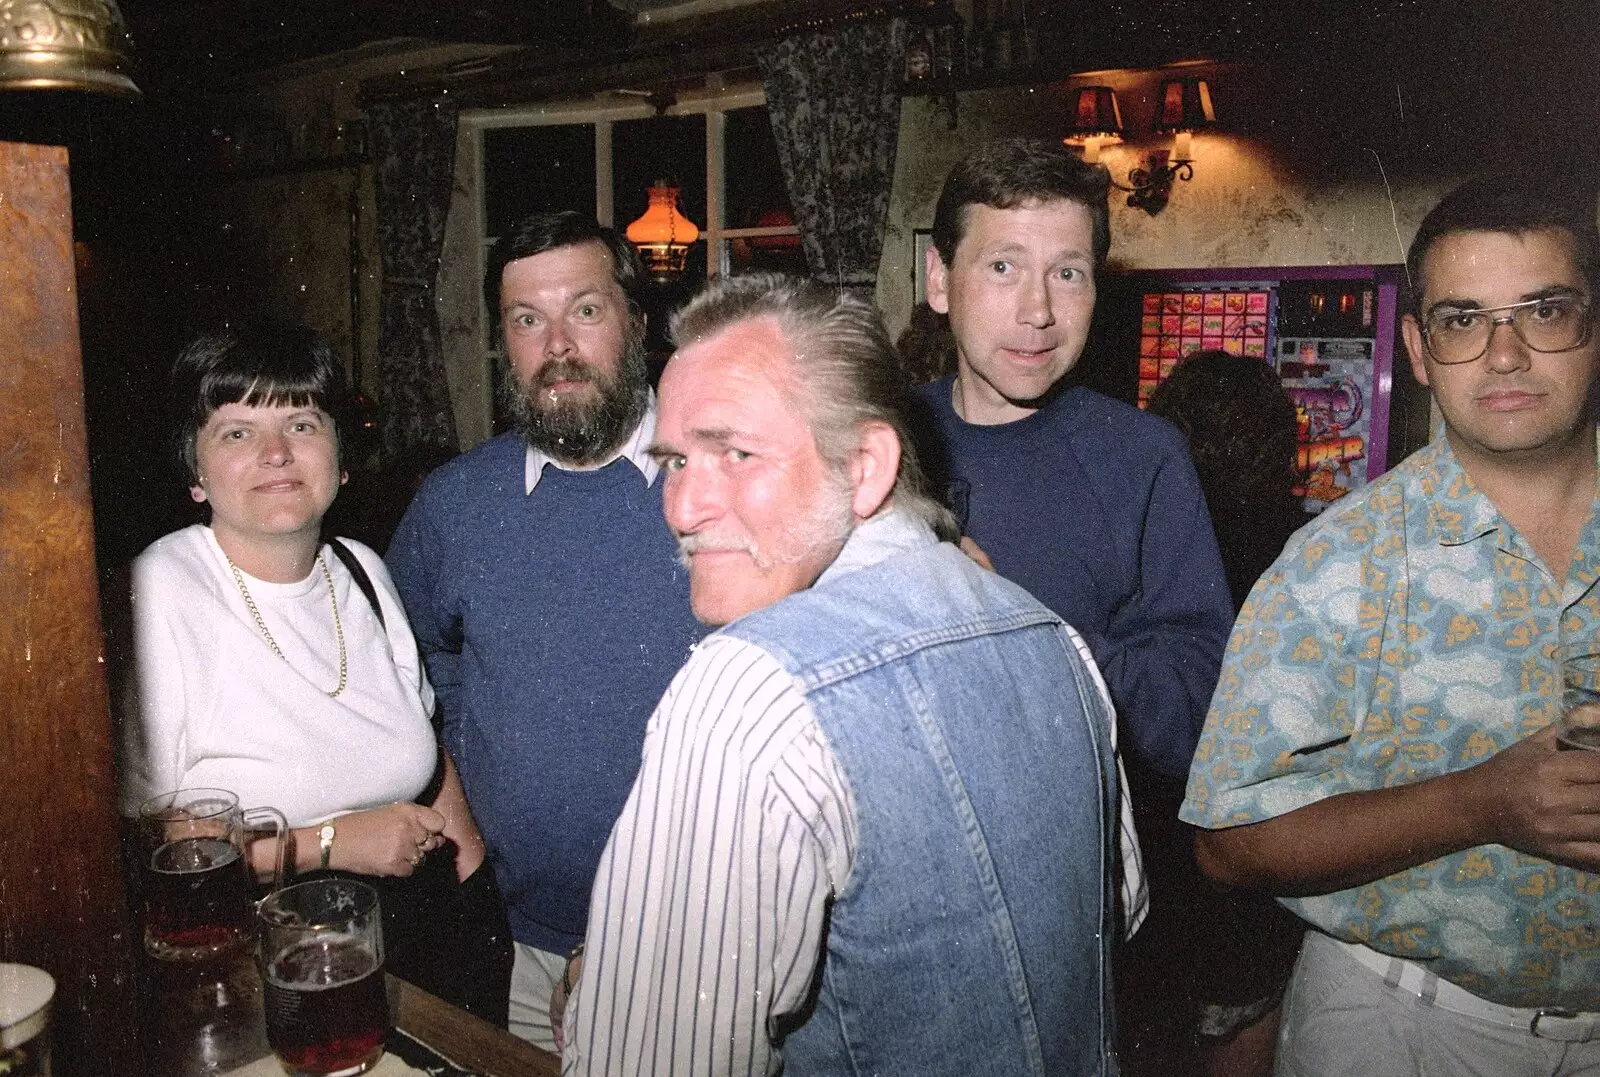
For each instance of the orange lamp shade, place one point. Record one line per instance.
(663, 234)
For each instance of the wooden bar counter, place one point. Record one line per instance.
(465, 1039)
(207, 1022)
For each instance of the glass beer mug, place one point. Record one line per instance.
(1579, 724)
(322, 968)
(196, 871)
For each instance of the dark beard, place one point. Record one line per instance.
(582, 433)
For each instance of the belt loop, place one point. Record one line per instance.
(1430, 988)
(1396, 967)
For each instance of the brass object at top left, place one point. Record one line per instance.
(64, 45)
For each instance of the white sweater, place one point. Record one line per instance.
(212, 705)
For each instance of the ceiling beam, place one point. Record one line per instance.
(216, 41)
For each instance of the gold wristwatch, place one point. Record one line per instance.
(325, 839)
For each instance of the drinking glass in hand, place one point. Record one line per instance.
(196, 876)
(1579, 726)
(322, 966)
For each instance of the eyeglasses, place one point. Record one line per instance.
(1556, 323)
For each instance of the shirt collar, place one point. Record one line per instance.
(1457, 511)
(888, 533)
(634, 450)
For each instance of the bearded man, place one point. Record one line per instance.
(544, 588)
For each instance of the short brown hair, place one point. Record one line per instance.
(1008, 172)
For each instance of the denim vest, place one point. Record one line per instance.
(973, 935)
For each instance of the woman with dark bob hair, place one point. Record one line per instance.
(280, 667)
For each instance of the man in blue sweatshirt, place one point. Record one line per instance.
(544, 587)
(1090, 504)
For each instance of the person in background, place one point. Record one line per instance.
(280, 667)
(874, 826)
(1088, 503)
(1381, 752)
(1243, 435)
(926, 349)
(545, 589)
(1238, 945)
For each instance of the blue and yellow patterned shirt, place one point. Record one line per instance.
(1407, 633)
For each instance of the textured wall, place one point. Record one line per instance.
(1323, 158)
(292, 232)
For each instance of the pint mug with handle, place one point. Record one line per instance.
(196, 871)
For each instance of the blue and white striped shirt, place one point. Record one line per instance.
(706, 921)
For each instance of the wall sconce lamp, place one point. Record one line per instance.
(1096, 122)
(1185, 107)
(663, 234)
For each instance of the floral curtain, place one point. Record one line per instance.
(834, 100)
(414, 151)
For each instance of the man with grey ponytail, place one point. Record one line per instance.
(872, 828)
(844, 360)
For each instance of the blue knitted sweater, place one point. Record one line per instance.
(551, 623)
(1093, 506)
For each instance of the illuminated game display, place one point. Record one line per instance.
(1328, 332)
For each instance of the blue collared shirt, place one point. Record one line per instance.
(1408, 633)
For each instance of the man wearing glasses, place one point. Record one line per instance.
(1381, 750)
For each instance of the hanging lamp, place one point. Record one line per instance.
(64, 45)
(663, 234)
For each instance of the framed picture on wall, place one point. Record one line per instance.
(921, 240)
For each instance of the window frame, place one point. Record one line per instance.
(715, 100)
(605, 110)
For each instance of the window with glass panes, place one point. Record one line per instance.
(602, 157)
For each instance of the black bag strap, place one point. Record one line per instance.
(363, 581)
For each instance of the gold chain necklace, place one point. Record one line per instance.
(338, 629)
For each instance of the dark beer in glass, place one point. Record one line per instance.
(196, 876)
(1584, 738)
(197, 897)
(322, 966)
(1578, 727)
(326, 1008)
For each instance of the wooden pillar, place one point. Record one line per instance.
(61, 893)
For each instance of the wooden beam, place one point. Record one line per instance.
(221, 40)
(61, 892)
(690, 48)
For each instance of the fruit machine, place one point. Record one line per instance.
(1328, 331)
